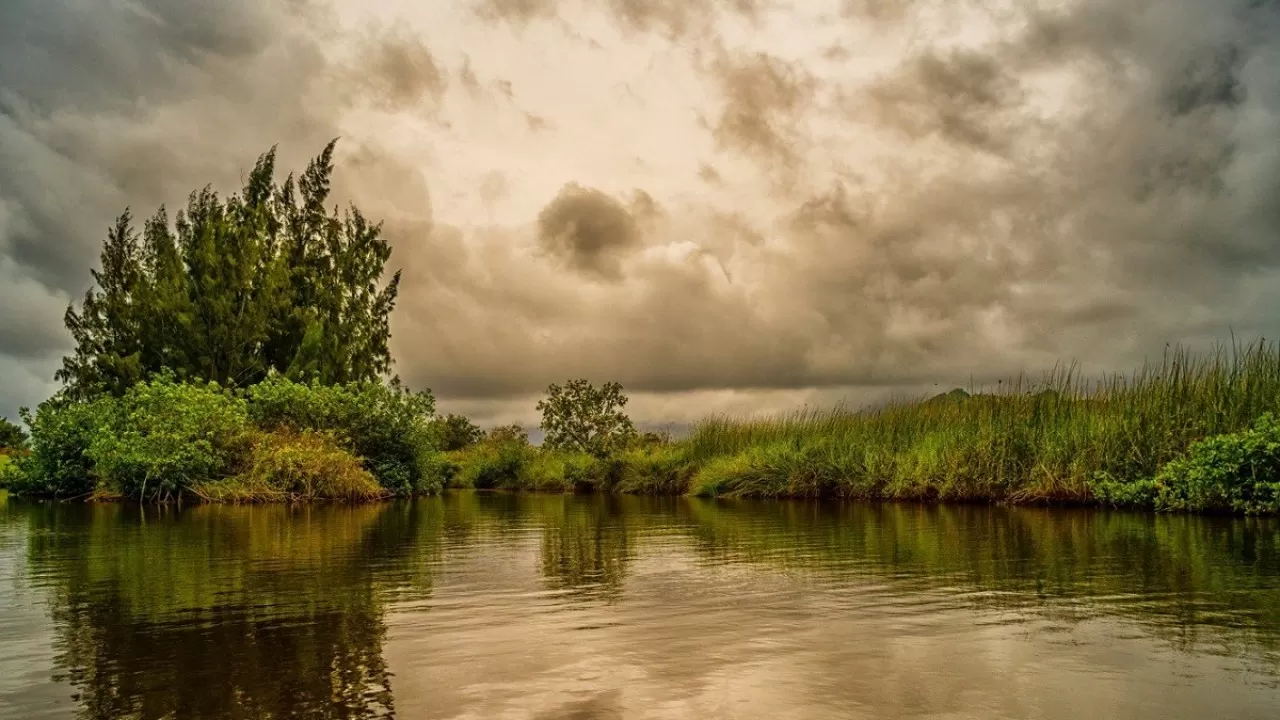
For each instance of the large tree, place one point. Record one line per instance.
(264, 279)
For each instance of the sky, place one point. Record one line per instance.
(728, 206)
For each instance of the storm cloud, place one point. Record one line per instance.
(724, 206)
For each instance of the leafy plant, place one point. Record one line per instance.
(1237, 471)
(583, 418)
(62, 430)
(165, 436)
(386, 425)
(508, 433)
(12, 436)
(455, 432)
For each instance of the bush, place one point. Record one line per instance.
(494, 464)
(61, 433)
(1235, 471)
(164, 437)
(9, 473)
(12, 436)
(289, 465)
(389, 427)
(455, 432)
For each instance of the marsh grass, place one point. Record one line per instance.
(1064, 439)
(1025, 441)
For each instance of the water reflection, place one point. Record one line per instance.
(223, 612)
(494, 605)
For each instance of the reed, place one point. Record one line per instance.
(1117, 440)
(1023, 441)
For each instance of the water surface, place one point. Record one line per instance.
(501, 606)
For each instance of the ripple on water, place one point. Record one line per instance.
(491, 606)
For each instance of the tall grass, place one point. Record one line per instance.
(1023, 441)
(1064, 438)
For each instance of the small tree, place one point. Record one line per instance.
(12, 436)
(583, 418)
(455, 432)
(508, 434)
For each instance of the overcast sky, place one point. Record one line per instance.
(726, 205)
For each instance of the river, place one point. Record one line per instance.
(501, 606)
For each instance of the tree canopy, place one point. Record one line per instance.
(581, 417)
(12, 435)
(235, 287)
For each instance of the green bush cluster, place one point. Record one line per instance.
(279, 439)
(388, 426)
(1236, 472)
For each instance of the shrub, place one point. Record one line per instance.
(494, 464)
(61, 433)
(455, 432)
(288, 465)
(1108, 489)
(508, 433)
(12, 436)
(655, 470)
(163, 437)
(9, 473)
(1234, 471)
(388, 426)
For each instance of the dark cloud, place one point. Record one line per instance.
(1075, 186)
(467, 76)
(400, 70)
(590, 231)
(116, 104)
(764, 98)
(673, 19)
(969, 97)
(517, 11)
(879, 10)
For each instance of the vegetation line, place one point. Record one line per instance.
(240, 354)
(1193, 432)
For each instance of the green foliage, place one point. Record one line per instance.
(1235, 471)
(12, 436)
(579, 417)
(165, 436)
(658, 469)
(508, 433)
(498, 462)
(388, 426)
(265, 279)
(455, 432)
(9, 473)
(288, 465)
(62, 430)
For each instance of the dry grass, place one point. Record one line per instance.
(292, 466)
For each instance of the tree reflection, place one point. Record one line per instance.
(585, 545)
(264, 612)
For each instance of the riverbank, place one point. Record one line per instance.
(1190, 433)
